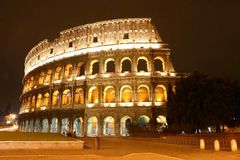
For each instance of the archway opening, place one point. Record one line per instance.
(158, 65)
(67, 98)
(95, 68)
(79, 96)
(125, 124)
(55, 99)
(126, 94)
(142, 65)
(92, 127)
(108, 126)
(109, 94)
(37, 125)
(110, 66)
(143, 93)
(65, 126)
(78, 127)
(45, 126)
(126, 66)
(68, 73)
(93, 95)
(160, 94)
(143, 121)
(58, 73)
(54, 125)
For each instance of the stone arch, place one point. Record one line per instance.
(109, 94)
(39, 101)
(31, 82)
(78, 126)
(159, 64)
(79, 96)
(126, 65)
(55, 98)
(45, 125)
(80, 69)
(58, 74)
(143, 121)
(41, 78)
(109, 126)
(68, 72)
(65, 126)
(92, 126)
(143, 92)
(160, 93)
(109, 65)
(125, 122)
(26, 128)
(93, 96)
(126, 94)
(37, 126)
(49, 76)
(162, 122)
(30, 125)
(54, 125)
(94, 67)
(33, 103)
(46, 99)
(66, 97)
(142, 64)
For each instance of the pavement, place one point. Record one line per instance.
(117, 148)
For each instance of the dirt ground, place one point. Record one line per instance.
(116, 148)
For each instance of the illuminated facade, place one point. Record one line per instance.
(95, 79)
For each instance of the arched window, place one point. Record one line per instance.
(126, 94)
(46, 99)
(66, 98)
(58, 74)
(93, 95)
(142, 64)
(95, 67)
(158, 64)
(126, 65)
(160, 94)
(39, 101)
(68, 73)
(41, 78)
(109, 94)
(143, 93)
(80, 69)
(79, 96)
(55, 98)
(108, 126)
(110, 66)
(49, 76)
(92, 127)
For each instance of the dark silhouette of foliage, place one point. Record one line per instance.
(200, 101)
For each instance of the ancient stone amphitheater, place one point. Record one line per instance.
(96, 79)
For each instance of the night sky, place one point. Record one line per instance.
(203, 35)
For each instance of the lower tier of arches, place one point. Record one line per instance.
(87, 123)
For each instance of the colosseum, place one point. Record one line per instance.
(96, 79)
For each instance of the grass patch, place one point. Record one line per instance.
(22, 136)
